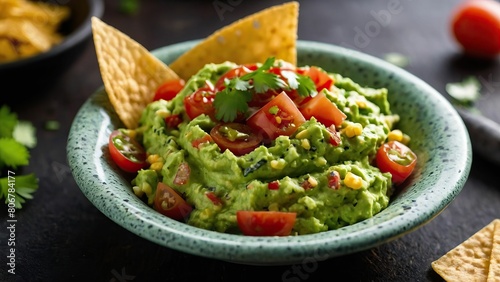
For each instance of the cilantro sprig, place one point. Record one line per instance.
(16, 137)
(234, 98)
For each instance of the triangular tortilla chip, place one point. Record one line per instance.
(131, 74)
(270, 32)
(494, 272)
(469, 261)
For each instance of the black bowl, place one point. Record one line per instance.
(34, 75)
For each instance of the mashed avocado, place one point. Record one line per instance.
(326, 186)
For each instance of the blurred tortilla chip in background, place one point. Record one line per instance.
(28, 28)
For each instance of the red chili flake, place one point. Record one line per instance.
(334, 180)
(274, 185)
(182, 175)
(212, 197)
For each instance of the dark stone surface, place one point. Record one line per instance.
(61, 236)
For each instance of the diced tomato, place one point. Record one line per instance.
(212, 197)
(203, 140)
(232, 73)
(397, 159)
(200, 102)
(183, 173)
(265, 223)
(173, 121)
(323, 110)
(334, 180)
(320, 78)
(335, 139)
(235, 137)
(273, 185)
(169, 203)
(278, 117)
(169, 89)
(126, 152)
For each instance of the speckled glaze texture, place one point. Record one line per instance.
(439, 138)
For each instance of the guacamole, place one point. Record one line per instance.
(326, 185)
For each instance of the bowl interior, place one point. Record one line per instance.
(439, 138)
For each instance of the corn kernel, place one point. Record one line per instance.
(302, 135)
(354, 129)
(153, 158)
(353, 181)
(273, 207)
(305, 144)
(278, 164)
(156, 166)
(162, 113)
(312, 181)
(406, 139)
(395, 135)
(361, 104)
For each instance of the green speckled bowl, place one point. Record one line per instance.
(438, 137)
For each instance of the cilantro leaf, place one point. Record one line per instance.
(465, 92)
(13, 153)
(9, 121)
(397, 59)
(24, 133)
(306, 86)
(229, 103)
(262, 82)
(239, 84)
(24, 186)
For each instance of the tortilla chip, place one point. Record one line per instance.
(469, 261)
(271, 32)
(494, 271)
(130, 73)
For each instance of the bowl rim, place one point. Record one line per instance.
(96, 8)
(272, 250)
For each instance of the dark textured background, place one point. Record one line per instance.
(61, 236)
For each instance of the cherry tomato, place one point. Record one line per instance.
(265, 223)
(278, 117)
(200, 102)
(235, 137)
(127, 153)
(170, 203)
(323, 110)
(232, 73)
(476, 26)
(397, 159)
(169, 89)
(320, 78)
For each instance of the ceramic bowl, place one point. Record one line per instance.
(31, 76)
(439, 138)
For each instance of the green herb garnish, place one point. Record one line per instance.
(239, 90)
(466, 92)
(15, 139)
